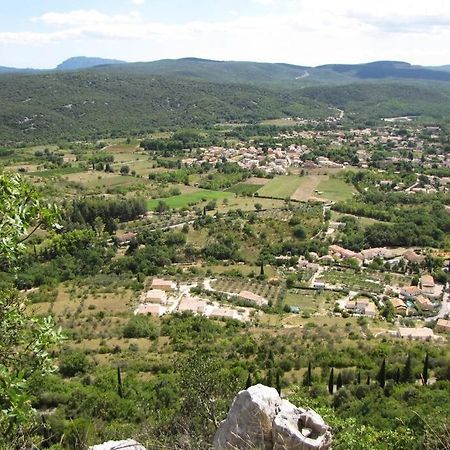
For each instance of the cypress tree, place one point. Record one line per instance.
(269, 380)
(278, 383)
(248, 383)
(381, 377)
(368, 379)
(358, 378)
(407, 373)
(397, 375)
(261, 269)
(425, 371)
(338, 381)
(119, 383)
(309, 379)
(331, 381)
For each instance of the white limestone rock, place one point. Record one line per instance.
(249, 421)
(260, 419)
(128, 444)
(299, 429)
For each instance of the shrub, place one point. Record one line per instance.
(140, 327)
(73, 363)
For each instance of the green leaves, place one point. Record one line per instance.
(22, 212)
(24, 341)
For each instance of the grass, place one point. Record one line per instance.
(335, 189)
(309, 300)
(355, 281)
(190, 198)
(56, 172)
(280, 187)
(244, 188)
(364, 221)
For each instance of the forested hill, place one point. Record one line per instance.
(86, 104)
(97, 103)
(283, 75)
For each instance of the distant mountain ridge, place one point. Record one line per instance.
(255, 72)
(288, 75)
(86, 62)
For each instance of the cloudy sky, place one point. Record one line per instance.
(42, 33)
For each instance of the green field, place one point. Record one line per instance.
(244, 188)
(335, 189)
(190, 198)
(280, 187)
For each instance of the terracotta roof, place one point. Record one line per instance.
(427, 280)
(412, 256)
(397, 303)
(443, 324)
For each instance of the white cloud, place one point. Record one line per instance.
(302, 31)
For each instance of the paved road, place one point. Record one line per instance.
(444, 310)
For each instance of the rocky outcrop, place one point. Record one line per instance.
(260, 419)
(128, 444)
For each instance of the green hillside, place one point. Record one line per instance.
(86, 104)
(115, 102)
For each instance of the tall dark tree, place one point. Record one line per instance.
(270, 358)
(249, 382)
(308, 380)
(119, 383)
(269, 379)
(261, 269)
(407, 375)
(425, 370)
(397, 375)
(358, 378)
(331, 381)
(368, 379)
(278, 383)
(339, 382)
(381, 376)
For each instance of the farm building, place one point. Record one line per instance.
(424, 303)
(164, 285)
(442, 325)
(399, 306)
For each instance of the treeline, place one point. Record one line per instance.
(98, 210)
(414, 220)
(226, 176)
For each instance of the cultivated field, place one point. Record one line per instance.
(280, 187)
(235, 285)
(335, 189)
(190, 198)
(309, 184)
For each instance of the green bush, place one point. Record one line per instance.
(140, 327)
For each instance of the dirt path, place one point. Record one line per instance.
(308, 186)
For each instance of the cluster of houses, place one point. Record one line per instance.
(270, 160)
(368, 255)
(362, 306)
(278, 159)
(164, 298)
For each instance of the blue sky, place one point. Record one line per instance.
(42, 33)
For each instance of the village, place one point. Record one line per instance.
(416, 146)
(420, 304)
